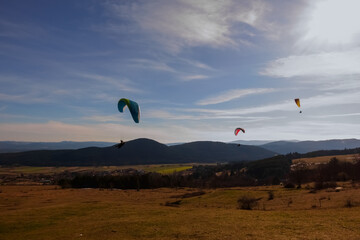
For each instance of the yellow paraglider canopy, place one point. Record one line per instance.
(297, 101)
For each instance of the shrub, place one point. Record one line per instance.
(289, 202)
(173, 204)
(313, 191)
(247, 202)
(349, 203)
(289, 185)
(323, 185)
(270, 195)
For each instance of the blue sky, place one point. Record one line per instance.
(198, 69)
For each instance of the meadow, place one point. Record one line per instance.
(49, 212)
(159, 168)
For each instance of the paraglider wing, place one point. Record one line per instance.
(119, 145)
(133, 107)
(297, 101)
(237, 130)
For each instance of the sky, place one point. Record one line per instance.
(198, 69)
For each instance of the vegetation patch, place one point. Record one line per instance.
(189, 195)
(173, 203)
(248, 202)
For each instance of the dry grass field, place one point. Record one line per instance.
(326, 159)
(49, 212)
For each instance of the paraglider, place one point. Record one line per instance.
(237, 130)
(297, 101)
(133, 107)
(119, 145)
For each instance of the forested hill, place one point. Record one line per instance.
(139, 151)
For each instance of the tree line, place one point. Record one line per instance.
(270, 171)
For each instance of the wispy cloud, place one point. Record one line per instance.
(197, 64)
(167, 115)
(22, 98)
(332, 99)
(19, 30)
(324, 100)
(191, 23)
(119, 84)
(102, 118)
(203, 114)
(346, 84)
(194, 77)
(233, 94)
(321, 64)
(152, 64)
(338, 115)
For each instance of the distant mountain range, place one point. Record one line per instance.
(139, 151)
(13, 146)
(281, 147)
(252, 142)
(284, 147)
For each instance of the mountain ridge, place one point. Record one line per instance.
(139, 151)
(284, 147)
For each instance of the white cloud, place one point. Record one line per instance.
(233, 94)
(321, 64)
(332, 22)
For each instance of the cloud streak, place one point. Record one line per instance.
(119, 84)
(233, 94)
(194, 77)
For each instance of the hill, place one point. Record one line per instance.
(285, 147)
(252, 142)
(207, 151)
(139, 151)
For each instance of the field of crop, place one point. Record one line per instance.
(49, 212)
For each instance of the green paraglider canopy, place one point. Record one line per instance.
(133, 107)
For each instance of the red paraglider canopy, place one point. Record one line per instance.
(237, 130)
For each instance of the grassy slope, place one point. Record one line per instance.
(43, 212)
